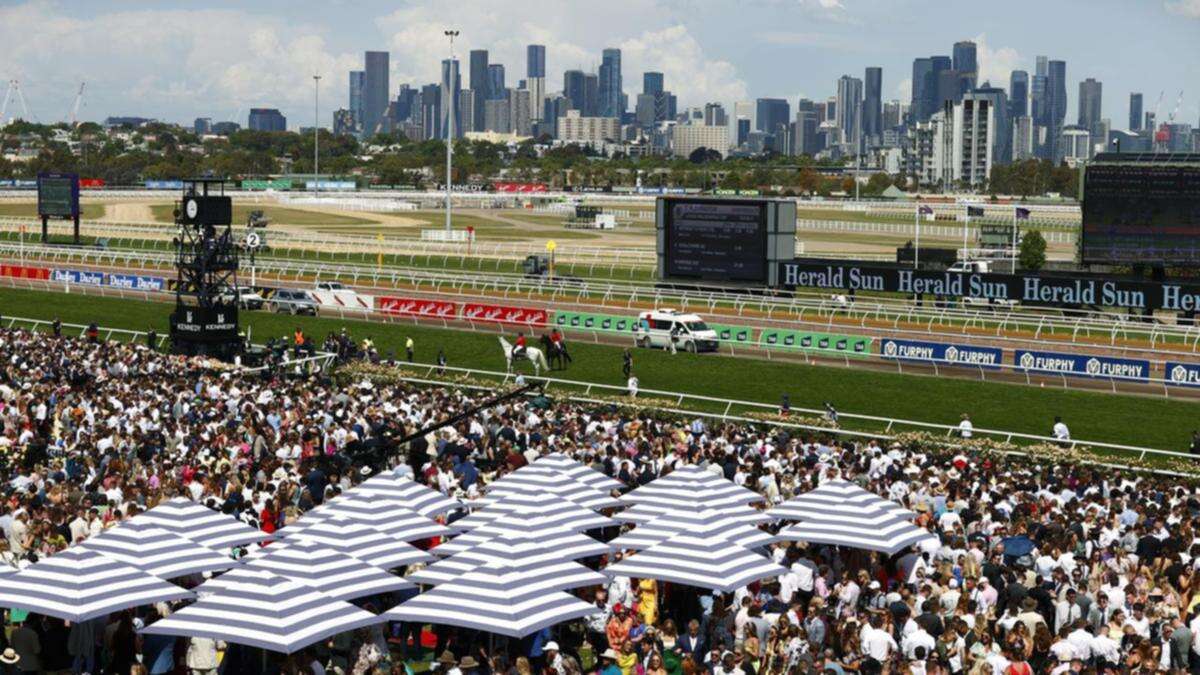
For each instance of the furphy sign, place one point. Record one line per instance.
(1182, 374)
(1025, 288)
(1082, 365)
(937, 352)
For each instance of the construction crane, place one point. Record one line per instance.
(1162, 137)
(14, 87)
(73, 117)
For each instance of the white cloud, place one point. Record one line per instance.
(904, 90)
(1185, 8)
(787, 38)
(995, 65)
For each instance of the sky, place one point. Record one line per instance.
(176, 61)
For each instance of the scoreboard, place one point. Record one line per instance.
(724, 240)
(58, 195)
(1142, 209)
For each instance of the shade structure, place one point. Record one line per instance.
(202, 525)
(689, 487)
(365, 543)
(536, 480)
(79, 584)
(420, 498)
(698, 558)
(838, 497)
(317, 566)
(495, 598)
(264, 610)
(579, 471)
(556, 512)
(741, 513)
(545, 530)
(681, 522)
(374, 510)
(158, 551)
(546, 562)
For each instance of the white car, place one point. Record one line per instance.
(246, 297)
(657, 328)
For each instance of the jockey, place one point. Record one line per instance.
(519, 348)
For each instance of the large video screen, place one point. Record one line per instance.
(58, 195)
(717, 239)
(1141, 214)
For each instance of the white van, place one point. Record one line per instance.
(654, 329)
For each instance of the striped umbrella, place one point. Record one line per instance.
(549, 560)
(686, 488)
(841, 497)
(79, 584)
(545, 529)
(888, 536)
(363, 542)
(263, 610)
(558, 512)
(202, 525)
(681, 522)
(698, 558)
(579, 471)
(317, 566)
(373, 510)
(407, 492)
(154, 550)
(536, 480)
(495, 598)
(741, 513)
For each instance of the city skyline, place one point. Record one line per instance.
(268, 64)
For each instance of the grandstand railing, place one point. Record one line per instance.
(931, 230)
(888, 425)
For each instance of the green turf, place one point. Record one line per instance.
(1130, 420)
(164, 213)
(87, 211)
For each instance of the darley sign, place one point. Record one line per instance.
(1029, 289)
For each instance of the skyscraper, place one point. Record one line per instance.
(965, 62)
(1002, 124)
(535, 61)
(1135, 112)
(872, 113)
(573, 88)
(772, 113)
(1056, 101)
(610, 84)
(849, 112)
(431, 111)
(496, 85)
(1018, 92)
(356, 98)
(375, 92)
(450, 88)
(479, 82)
(652, 83)
(937, 66)
(921, 69)
(266, 119)
(1090, 92)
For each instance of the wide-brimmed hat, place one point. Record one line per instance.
(610, 654)
(447, 658)
(9, 656)
(550, 646)
(468, 661)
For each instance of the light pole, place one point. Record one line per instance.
(452, 104)
(316, 138)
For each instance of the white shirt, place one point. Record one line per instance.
(1061, 432)
(917, 638)
(966, 429)
(877, 644)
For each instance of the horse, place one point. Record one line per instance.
(555, 353)
(535, 356)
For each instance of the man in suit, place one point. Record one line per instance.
(1177, 639)
(693, 643)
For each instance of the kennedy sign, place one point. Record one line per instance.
(1025, 288)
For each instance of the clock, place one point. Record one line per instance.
(191, 207)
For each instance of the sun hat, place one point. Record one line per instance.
(447, 658)
(550, 646)
(468, 661)
(9, 656)
(610, 654)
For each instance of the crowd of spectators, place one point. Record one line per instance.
(1047, 568)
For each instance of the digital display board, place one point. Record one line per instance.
(716, 239)
(58, 195)
(1141, 213)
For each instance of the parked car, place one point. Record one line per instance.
(293, 301)
(656, 328)
(246, 298)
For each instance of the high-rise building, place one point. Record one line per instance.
(688, 138)
(202, 126)
(1022, 138)
(965, 63)
(519, 112)
(652, 83)
(849, 113)
(343, 122)
(893, 114)
(1056, 101)
(406, 107)
(535, 61)
(575, 128)
(497, 114)
(496, 86)
(872, 112)
(1018, 94)
(804, 136)
(921, 71)
(1090, 92)
(357, 80)
(771, 114)
(478, 82)
(266, 119)
(451, 100)
(375, 90)
(963, 142)
(1135, 112)
(1073, 145)
(591, 95)
(573, 88)
(610, 90)
(714, 115)
(1001, 126)
(431, 112)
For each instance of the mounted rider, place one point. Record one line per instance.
(559, 344)
(519, 346)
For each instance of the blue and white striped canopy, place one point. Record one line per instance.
(545, 530)
(841, 497)
(409, 493)
(188, 519)
(317, 566)
(741, 513)
(689, 487)
(554, 511)
(494, 598)
(698, 558)
(533, 479)
(363, 542)
(263, 610)
(681, 522)
(546, 562)
(579, 471)
(155, 550)
(374, 510)
(840, 513)
(79, 584)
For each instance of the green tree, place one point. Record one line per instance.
(1032, 254)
